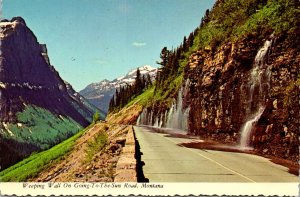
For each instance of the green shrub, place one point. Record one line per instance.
(96, 117)
(95, 145)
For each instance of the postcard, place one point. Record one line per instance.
(129, 97)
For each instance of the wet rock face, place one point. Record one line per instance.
(26, 76)
(216, 85)
(220, 101)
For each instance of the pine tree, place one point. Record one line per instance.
(138, 82)
(112, 104)
(184, 44)
(144, 82)
(149, 82)
(164, 57)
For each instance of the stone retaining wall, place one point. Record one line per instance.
(126, 165)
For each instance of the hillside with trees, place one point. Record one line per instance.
(238, 70)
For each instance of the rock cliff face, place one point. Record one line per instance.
(238, 80)
(37, 108)
(246, 94)
(251, 84)
(27, 77)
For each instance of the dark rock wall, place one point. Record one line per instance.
(219, 95)
(28, 78)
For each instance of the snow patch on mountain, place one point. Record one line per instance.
(101, 92)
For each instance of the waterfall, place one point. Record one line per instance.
(247, 129)
(258, 89)
(143, 118)
(138, 122)
(260, 75)
(176, 117)
(156, 123)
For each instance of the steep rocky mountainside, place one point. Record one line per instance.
(239, 79)
(77, 96)
(229, 87)
(37, 109)
(100, 93)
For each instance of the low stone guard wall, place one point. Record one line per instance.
(126, 166)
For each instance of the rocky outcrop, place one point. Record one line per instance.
(215, 81)
(246, 94)
(225, 91)
(28, 78)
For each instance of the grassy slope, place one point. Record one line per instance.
(70, 157)
(37, 127)
(32, 165)
(40, 127)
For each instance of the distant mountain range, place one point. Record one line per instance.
(99, 94)
(38, 108)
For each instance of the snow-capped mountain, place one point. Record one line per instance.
(100, 93)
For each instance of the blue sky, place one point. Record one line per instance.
(92, 40)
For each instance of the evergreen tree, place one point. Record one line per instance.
(138, 82)
(112, 104)
(164, 57)
(149, 82)
(144, 82)
(184, 44)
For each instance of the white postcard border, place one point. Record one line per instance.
(152, 189)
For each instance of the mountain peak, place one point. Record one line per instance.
(38, 109)
(101, 92)
(26, 72)
(146, 67)
(14, 20)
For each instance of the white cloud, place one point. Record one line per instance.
(100, 61)
(139, 44)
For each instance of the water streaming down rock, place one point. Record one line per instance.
(156, 123)
(259, 84)
(260, 76)
(143, 118)
(247, 128)
(176, 117)
(138, 120)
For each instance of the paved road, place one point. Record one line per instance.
(165, 161)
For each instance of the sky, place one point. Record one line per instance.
(92, 40)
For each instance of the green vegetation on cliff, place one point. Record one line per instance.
(231, 20)
(227, 21)
(222, 62)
